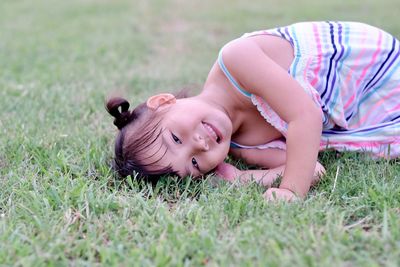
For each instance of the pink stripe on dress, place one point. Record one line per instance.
(374, 107)
(375, 55)
(350, 74)
(318, 42)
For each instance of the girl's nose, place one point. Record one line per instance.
(200, 143)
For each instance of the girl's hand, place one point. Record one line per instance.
(227, 172)
(276, 194)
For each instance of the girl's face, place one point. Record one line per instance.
(196, 134)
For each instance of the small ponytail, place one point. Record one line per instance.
(119, 108)
(132, 143)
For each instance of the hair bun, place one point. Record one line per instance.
(118, 107)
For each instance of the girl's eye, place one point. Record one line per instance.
(176, 139)
(195, 164)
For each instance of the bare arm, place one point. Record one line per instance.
(264, 177)
(266, 158)
(261, 76)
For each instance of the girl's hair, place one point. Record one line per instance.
(138, 130)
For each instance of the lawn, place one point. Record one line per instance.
(60, 203)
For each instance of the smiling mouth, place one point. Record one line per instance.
(213, 132)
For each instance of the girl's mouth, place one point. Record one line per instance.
(213, 132)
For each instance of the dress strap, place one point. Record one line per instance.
(278, 144)
(230, 77)
(235, 145)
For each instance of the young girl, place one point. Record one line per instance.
(273, 98)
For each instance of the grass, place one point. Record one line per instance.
(60, 205)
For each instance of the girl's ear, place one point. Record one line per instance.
(156, 101)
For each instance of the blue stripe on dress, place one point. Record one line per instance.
(366, 131)
(235, 145)
(348, 51)
(293, 39)
(281, 33)
(289, 36)
(387, 68)
(330, 61)
(381, 67)
(395, 118)
(387, 78)
(230, 77)
(332, 87)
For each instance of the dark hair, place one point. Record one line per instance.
(138, 130)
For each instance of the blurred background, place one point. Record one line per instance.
(59, 60)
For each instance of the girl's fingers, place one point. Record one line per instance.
(277, 194)
(226, 171)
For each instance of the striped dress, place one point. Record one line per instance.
(352, 72)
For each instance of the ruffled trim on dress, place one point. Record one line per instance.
(269, 114)
(273, 118)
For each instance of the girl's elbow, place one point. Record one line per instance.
(313, 118)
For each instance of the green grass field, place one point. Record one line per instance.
(60, 204)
